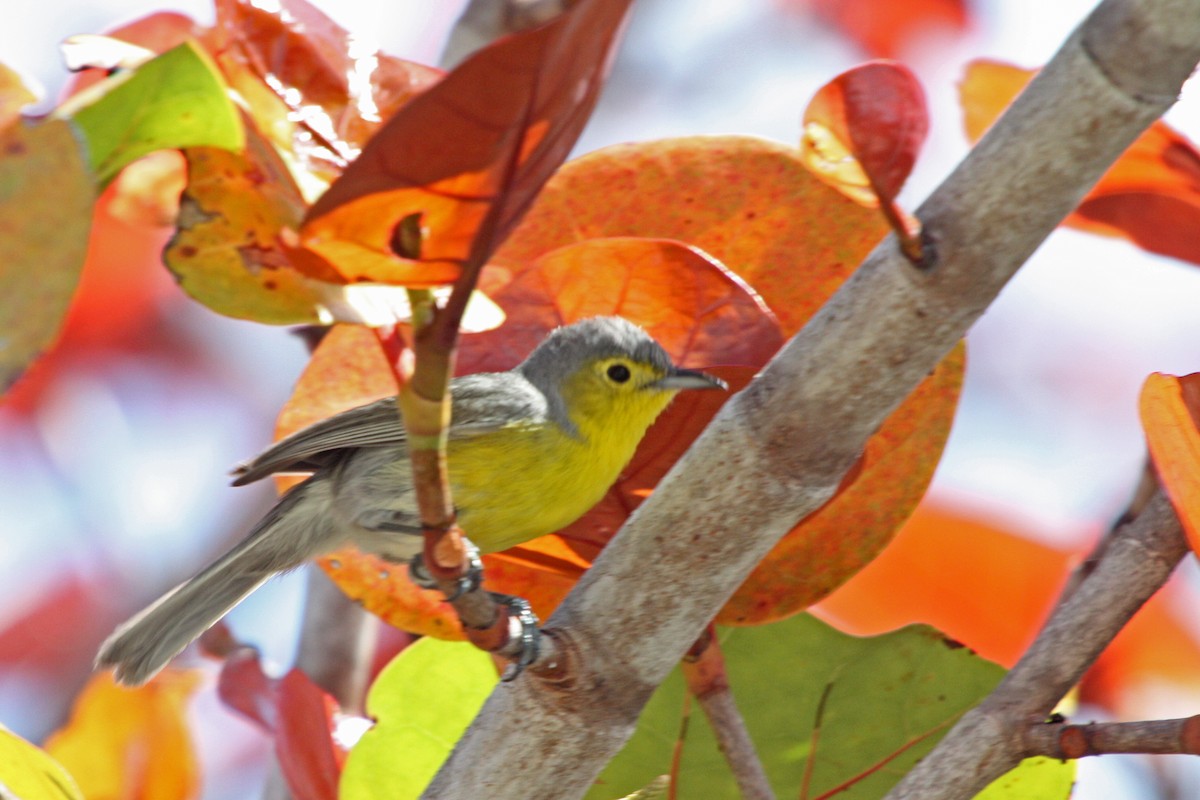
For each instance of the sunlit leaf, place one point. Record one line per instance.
(469, 154)
(384, 589)
(175, 100)
(313, 87)
(861, 710)
(884, 28)
(977, 580)
(28, 773)
(1170, 412)
(1150, 196)
(119, 738)
(107, 53)
(14, 95)
(421, 703)
(46, 197)
(864, 129)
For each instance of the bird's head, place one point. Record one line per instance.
(607, 376)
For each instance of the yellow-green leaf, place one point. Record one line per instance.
(421, 703)
(175, 100)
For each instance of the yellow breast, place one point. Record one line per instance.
(524, 481)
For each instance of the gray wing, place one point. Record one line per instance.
(479, 403)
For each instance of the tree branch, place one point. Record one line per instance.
(1159, 737)
(990, 739)
(777, 450)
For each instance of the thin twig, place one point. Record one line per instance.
(704, 671)
(1160, 737)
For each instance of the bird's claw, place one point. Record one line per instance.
(469, 581)
(522, 630)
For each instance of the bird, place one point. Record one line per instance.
(529, 451)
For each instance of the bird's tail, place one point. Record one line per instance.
(298, 528)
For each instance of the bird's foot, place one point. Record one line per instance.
(468, 582)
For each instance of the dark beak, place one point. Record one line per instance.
(679, 378)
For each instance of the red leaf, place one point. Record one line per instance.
(244, 687)
(884, 27)
(468, 155)
(864, 129)
(308, 756)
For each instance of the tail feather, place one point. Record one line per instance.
(298, 528)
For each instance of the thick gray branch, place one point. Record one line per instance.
(778, 449)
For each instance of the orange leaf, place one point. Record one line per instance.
(1150, 196)
(469, 154)
(384, 589)
(975, 580)
(698, 310)
(833, 543)
(750, 203)
(864, 129)
(1170, 411)
(122, 742)
(884, 27)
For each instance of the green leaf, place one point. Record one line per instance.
(28, 773)
(175, 100)
(1033, 779)
(46, 196)
(421, 703)
(853, 713)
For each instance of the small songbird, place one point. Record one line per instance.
(529, 451)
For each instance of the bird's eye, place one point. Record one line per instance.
(618, 373)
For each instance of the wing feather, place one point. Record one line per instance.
(480, 403)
